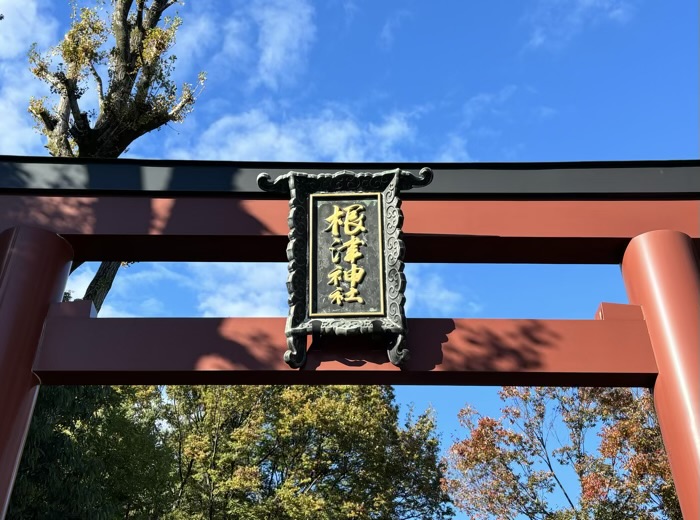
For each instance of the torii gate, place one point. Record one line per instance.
(642, 215)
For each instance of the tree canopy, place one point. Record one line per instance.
(239, 452)
(607, 439)
(93, 452)
(132, 79)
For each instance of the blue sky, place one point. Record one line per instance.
(532, 80)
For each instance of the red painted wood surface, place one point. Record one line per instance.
(661, 274)
(34, 267)
(226, 229)
(79, 349)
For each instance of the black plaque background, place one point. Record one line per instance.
(372, 286)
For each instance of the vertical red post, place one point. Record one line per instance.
(34, 266)
(661, 274)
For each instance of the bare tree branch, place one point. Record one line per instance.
(139, 14)
(176, 112)
(155, 12)
(47, 118)
(120, 26)
(100, 90)
(79, 118)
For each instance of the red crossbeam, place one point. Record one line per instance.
(78, 349)
(227, 229)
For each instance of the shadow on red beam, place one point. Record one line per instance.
(81, 350)
(231, 229)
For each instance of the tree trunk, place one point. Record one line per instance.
(101, 283)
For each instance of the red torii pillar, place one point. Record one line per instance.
(34, 266)
(661, 275)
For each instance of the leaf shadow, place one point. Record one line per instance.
(519, 348)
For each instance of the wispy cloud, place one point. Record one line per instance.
(195, 39)
(544, 112)
(431, 294)
(286, 31)
(487, 103)
(454, 150)
(553, 23)
(18, 85)
(240, 289)
(25, 23)
(137, 290)
(235, 48)
(80, 279)
(190, 289)
(266, 42)
(350, 9)
(139, 279)
(250, 290)
(482, 116)
(110, 311)
(387, 36)
(331, 134)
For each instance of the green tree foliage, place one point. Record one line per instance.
(607, 439)
(93, 452)
(84, 443)
(246, 452)
(136, 96)
(301, 453)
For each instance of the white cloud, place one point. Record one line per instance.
(137, 290)
(265, 42)
(142, 277)
(393, 129)
(454, 150)
(110, 311)
(331, 135)
(18, 136)
(286, 31)
(430, 294)
(487, 103)
(350, 9)
(195, 37)
(545, 112)
(80, 279)
(483, 116)
(250, 290)
(259, 289)
(240, 289)
(387, 36)
(235, 47)
(151, 306)
(25, 23)
(253, 135)
(553, 23)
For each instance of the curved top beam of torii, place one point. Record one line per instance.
(620, 180)
(471, 212)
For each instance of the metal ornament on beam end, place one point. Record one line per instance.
(345, 256)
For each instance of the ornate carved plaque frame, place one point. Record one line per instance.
(314, 200)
